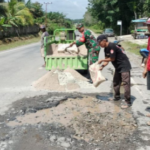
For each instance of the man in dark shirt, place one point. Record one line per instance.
(120, 61)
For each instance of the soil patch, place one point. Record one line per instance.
(62, 81)
(89, 118)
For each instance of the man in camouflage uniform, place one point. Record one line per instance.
(90, 42)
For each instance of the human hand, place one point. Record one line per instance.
(101, 68)
(71, 44)
(144, 73)
(100, 61)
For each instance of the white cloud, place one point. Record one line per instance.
(73, 9)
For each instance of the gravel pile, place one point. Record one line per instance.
(62, 81)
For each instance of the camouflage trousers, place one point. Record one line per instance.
(93, 55)
(122, 78)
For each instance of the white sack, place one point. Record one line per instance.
(62, 47)
(74, 48)
(96, 74)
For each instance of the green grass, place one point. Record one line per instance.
(97, 31)
(132, 47)
(19, 43)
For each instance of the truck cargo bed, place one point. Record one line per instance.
(56, 60)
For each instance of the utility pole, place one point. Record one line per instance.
(46, 4)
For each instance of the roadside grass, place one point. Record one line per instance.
(97, 31)
(19, 43)
(132, 47)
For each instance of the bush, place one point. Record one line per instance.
(52, 27)
(132, 31)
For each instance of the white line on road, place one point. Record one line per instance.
(136, 86)
(19, 48)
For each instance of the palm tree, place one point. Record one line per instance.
(35, 9)
(3, 9)
(18, 14)
(2, 24)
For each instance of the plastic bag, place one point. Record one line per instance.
(96, 74)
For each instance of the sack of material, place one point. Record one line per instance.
(73, 49)
(96, 74)
(62, 48)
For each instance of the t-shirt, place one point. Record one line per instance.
(148, 48)
(42, 38)
(144, 50)
(89, 40)
(121, 62)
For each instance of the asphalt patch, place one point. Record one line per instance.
(81, 122)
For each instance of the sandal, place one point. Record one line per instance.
(125, 104)
(148, 123)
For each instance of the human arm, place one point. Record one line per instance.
(106, 60)
(72, 44)
(79, 42)
(104, 65)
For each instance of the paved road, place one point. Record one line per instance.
(20, 67)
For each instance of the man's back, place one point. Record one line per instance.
(45, 34)
(121, 62)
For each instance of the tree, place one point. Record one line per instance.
(89, 20)
(109, 12)
(18, 14)
(146, 8)
(2, 23)
(3, 9)
(35, 9)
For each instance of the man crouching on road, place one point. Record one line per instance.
(44, 34)
(122, 69)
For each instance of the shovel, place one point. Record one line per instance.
(68, 51)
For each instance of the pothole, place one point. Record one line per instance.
(91, 119)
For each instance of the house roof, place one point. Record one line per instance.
(139, 20)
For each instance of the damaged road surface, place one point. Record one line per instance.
(67, 121)
(81, 118)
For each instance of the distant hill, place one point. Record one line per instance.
(77, 21)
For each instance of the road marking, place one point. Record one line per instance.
(19, 48)
(136, 86)
(40, 68)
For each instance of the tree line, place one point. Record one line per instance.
(16, 13)
(106, 13)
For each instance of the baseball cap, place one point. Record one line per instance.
(101, 38)
(42, 27)
(148, 21)
(79, 25)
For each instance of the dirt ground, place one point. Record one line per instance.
(68, 122)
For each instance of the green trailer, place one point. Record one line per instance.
(56, 60)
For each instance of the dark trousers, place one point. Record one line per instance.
(124, 78)
(144, 55)
(148, 80)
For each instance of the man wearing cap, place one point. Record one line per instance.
(90, 42)
(146, 72)
(44, 34)
(120, 61)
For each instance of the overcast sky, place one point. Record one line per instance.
(73, 9)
